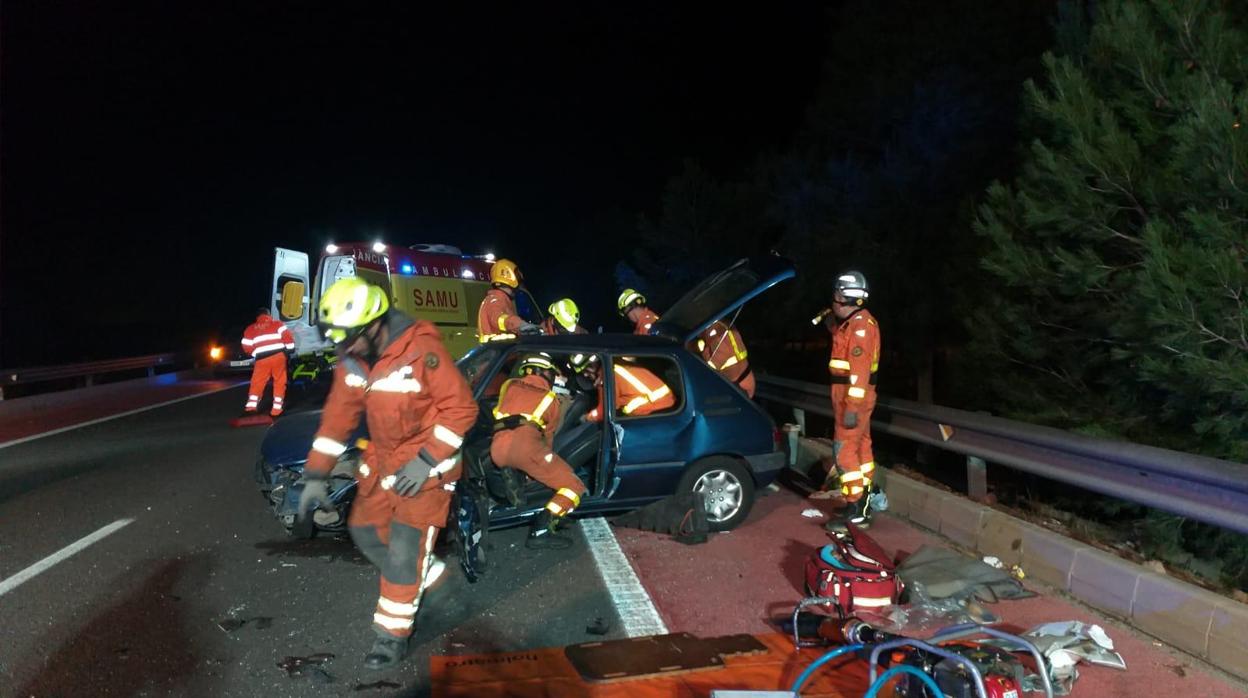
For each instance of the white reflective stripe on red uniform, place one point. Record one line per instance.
(396, 608)
(326, 445)
(248, 342)
(873, 601)
(397, 382)
(390, 623)
(447, 436)
(267, 348)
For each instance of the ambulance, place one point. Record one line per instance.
(438, 283)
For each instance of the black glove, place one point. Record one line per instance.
(410, 478)
(315, 495)
(530, 328)
(850, 420)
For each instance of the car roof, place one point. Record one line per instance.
(613, 341)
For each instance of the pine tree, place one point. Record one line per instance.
(1116, 299)
(1118, 291)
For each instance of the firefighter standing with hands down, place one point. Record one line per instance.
(396, 372)
(497, 317)
(632, 305)
(853, 365)
(267, 340)
(526, 420)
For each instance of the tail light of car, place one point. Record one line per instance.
(216, 353)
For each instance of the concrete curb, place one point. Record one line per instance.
(1182, 615)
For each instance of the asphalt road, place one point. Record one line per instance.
(141, 611)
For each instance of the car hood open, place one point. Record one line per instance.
(720, 294)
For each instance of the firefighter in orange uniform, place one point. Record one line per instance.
(638, 391)
(854, 363)
(563, 319)
(526, 420)
(722, 348)
(267, 340)
(497, 317)
(396, 372)
(632, 305)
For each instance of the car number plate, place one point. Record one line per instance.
(240, 363)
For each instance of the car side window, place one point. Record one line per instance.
(647, 386)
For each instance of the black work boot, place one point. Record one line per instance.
(858, 513)
(545, 534)
(387, 651)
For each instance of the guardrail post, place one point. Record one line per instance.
(976, 478)
(799, 418)
(151, 371)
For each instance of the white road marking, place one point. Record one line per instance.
(632, 603)
(119, 415)
(64, 553)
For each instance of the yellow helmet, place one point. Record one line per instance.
(504, 272)
(579, 362)
(565, 313)
(628, 298)
(536, 363)
(349, 306)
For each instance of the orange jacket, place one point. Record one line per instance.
(551, 326)
(645, 320)
(497, 317)
(267, 336)
(722, 348)
(414, 397)
(856, 356)
(530, 397)
(638, 391)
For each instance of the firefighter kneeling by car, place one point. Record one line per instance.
(396, 372)
(526, 420)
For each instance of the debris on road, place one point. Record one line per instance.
(600, 626)
(376, 685)
(230, 625)
(1065, 644)
(994, 561)
(813, 514)
(309, 666)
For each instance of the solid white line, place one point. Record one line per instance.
(632, 603)
(43, 565)
(119, 415)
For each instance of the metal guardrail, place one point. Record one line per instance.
(1197, 487)
(88, 369)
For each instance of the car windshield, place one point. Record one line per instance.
(476, 363)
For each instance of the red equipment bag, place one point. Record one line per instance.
(855, 571)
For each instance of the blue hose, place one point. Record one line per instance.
(833, 654)
(903, 669)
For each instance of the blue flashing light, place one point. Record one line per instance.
(407, 268)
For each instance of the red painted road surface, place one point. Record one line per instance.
(24, 417)
(737, 580)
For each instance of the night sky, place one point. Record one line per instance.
(155, 153)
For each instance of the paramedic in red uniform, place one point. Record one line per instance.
(638, 391)
(267, 340)
(853, 366)
(525, 422)
(396, 372)
(497, 317)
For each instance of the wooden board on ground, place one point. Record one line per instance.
(636, 657)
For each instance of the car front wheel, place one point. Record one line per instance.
(726, 487)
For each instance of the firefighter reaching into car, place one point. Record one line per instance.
(395, 372)
(267, 340)
(564, 318)
(723, 349)
(632, 306)
(853, 365)
(525, 422)
(497, 318)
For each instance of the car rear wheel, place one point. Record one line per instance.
(727, 488)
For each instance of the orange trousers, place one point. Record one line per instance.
(397, 534)
(524, 448)
(854, 459)
(271, 366)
